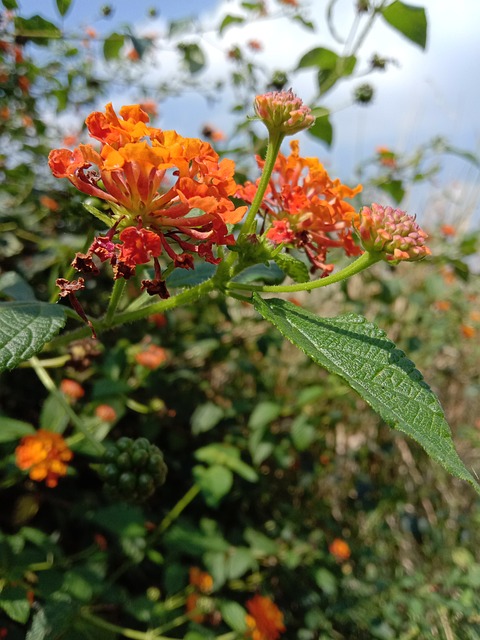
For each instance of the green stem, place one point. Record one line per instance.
(367, 27)
(123, 631)
(186, 297)
(176, 622)
(50, 386)
(175, 512)
(117, 291)
(274, 144)
(360, 264)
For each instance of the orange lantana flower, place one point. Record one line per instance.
(306, 208)
(162, 189)
(339, 549)
(45, 454)
(265, 621)
(202, 580)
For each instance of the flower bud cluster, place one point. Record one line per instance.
(283, 112)
(391, 232)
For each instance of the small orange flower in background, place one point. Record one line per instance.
(265, 621)
(442, 305)
(150, 107)
(306, 208)
(23, 83)
(254, 45)
(45, 455)
(106, 413)
(72, 389)
(4, 112)
(475, 316)
(448, 230)
(215, 135)
(339, 549)
(387, 158)
(151, 357)
(467, 331)
(49, 203)
(70, 140)
(202, 580)
(292, 3)
(91, 32)
(133, 55)
(158, 319)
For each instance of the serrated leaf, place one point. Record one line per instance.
(228, 21)
(296, 269)
(360, 353)
(37, 29)
(322, 129)
(11, 429)
(113, 45)
(12, 285)
(410, 21)
(63, 6)
(25, 327)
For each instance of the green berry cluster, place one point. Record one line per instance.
(132, 470)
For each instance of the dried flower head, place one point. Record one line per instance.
(283, 112)
(45, 454)
(392, 233)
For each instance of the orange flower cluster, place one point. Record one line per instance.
(162, 189)
(198, 606)
(265, 621)
(306, 208)
(45, 454)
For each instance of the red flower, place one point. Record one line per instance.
(340, 549)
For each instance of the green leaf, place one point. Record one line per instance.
(234, 615)
(141, 45)
(98, 214)
(228, 456)
(113, 45)
(410, 21)
(319, 57)
(263, 414)
(53, 416)
(12, 285)
(394, 188)
(302, 432)
(11, 429)
(193, 56)
(186, 278)
(10, 4)
(205, 417)
(322, 130)
(359, 352)
(228, 21)
(25, 327)
(37, 29)
(15, 604)
(63, 6)
(296, 269)
(269, 274)
(215, 482)
(331, 66)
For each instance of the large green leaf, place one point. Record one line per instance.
(25, 327)
(409, 20)
(37, 29)
(360, 353)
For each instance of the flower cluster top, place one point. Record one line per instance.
(306, 208)
(162, 190)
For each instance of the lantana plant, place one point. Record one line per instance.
(171, 205)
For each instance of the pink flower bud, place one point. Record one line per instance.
(391, 232)
(283, 112)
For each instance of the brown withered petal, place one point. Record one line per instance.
(84, 263)
(155, 287)
(68, 287)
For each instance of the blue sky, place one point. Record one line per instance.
(430, 93)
